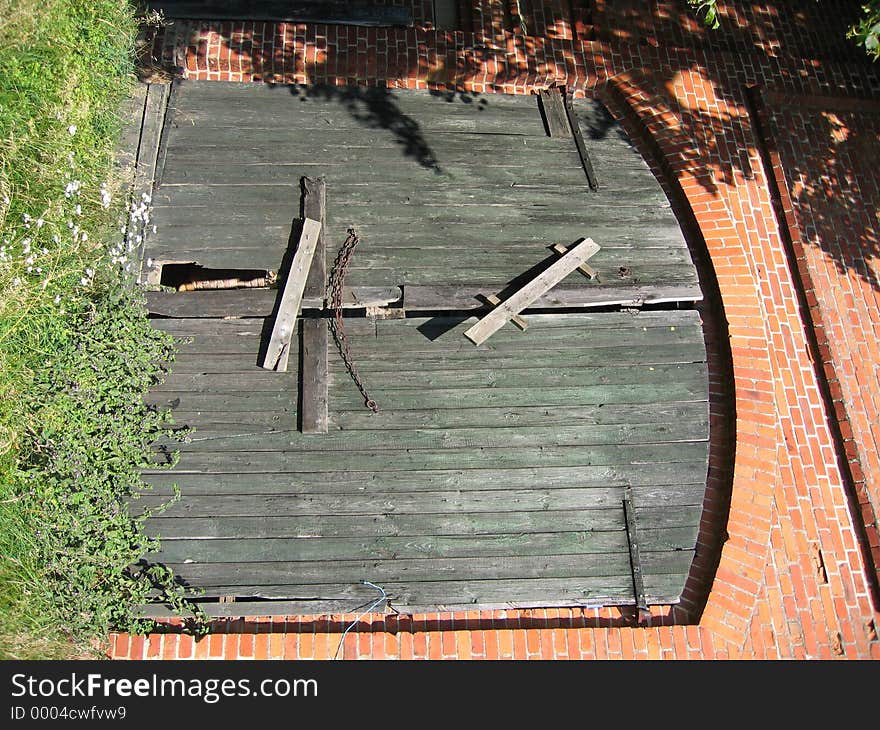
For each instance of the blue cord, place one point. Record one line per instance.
(373, 605)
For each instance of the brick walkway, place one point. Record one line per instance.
(767, 136)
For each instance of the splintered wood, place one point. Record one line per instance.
(532, 291)
(291, 297)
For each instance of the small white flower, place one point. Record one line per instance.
(40, 222)
(16, 281)
(29, 260)
(78, 210)
(85, 237)
(71, 130)
(57, 298)
(90, 273)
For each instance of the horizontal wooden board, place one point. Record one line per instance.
(442, 546)
(584, 542)
(229, 437)
(190, 359)
(464, 523)
(424, 597)
(681, 482)
(236, 462)
(379, 571)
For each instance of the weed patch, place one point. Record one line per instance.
(77, 352)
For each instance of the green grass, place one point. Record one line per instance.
(76, 349)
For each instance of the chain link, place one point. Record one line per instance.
(336, 284)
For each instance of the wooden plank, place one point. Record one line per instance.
(553, 113)
(483, 523)
(347, 548)
(190, 358)
(585, 269)
(506, 172)
(682, 482)
(457, 571)
(171, 104)
(590, 172)
(346, 12)
(145, 169)
(314, 196)
(132, 112)
(430, 297)
(236, 462)
(635, 551)
(154, 119)
(229, 437)
(255, 302)
(291, 297)
(314, 375)
(420, 503)
(531, 292)
(431, 596)
(455, 385)
(584, 542)
(446, 15)
(520, 322)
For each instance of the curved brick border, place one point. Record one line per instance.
(790, 578)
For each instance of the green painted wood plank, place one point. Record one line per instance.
(236, 462)
(260, 206)
(464, 523)
(632, 322)
(682, 482)
(302, 573)
(497, 150)
(244, 196)
(372, 340)
(404, 170)
(427, 597)
(583, 499)
(472, 378)
(210, 437)
(192, 361)
(439, 547)
(229, 92)
(576, 346)
(418, 503)
(585, 542)
(198, 393)
(234, 244)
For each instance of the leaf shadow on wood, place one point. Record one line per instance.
(375, 107)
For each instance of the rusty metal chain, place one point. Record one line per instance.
(336, 284)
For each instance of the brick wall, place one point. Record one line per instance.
(785, 567)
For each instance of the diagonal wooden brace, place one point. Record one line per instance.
(291, 297)
(532, 291)
(495, 301)
(584, 268)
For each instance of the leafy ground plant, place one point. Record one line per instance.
(77, 352)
